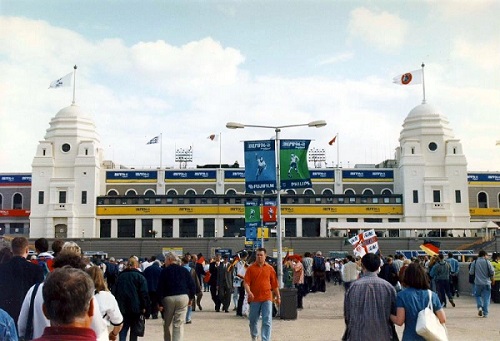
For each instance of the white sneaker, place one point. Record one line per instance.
(480, 312)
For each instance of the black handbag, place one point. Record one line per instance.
(138, 326)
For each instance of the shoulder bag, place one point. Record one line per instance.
(428, 325)
(28, 334)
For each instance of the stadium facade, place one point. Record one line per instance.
(73, 193)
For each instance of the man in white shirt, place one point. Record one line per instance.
(350, 272)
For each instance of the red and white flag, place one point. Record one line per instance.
(409, 78)
(365, 242)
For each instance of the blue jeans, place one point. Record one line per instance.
(128, 321)
(265, 309)
(483, 296)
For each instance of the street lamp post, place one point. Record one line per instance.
(277, 130)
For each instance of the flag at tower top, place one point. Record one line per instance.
(61, 82)
(409, 78)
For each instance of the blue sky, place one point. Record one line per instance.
(185, 68)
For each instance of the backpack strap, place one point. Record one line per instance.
(28, 334)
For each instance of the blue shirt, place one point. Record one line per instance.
(483, 271)
(413, 301)
(8, 331)
(454, 265)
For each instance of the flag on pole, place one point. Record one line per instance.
(332, 141)
(430, 247)
(154, 140)
(365, 242)
(61, 82)
(409, 78)
(213, 137)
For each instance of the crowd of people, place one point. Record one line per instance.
(116, 296)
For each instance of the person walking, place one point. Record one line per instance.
(108, 306)
(483, 271)
(225, 283)
(350, 272)
(131, 293)
(368, 305)
(152, 274)
(176, 291)
(454, 270)
(213, 270)
(260, 284)
(17, 276)
(440, 272)
(414, 299)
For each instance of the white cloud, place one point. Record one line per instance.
(485, 55)
(383, 30)
(339, 58)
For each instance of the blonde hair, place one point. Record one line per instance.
(133, 263)
(71, 247)
(97, 276)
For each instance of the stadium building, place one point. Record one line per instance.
(426, 191)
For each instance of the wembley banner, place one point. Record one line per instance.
(260, 165)
(294, 172)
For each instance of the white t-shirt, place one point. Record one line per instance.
(40, 321)
(109, 309)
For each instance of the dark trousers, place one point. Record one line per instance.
(225, 294)
(319, 281)
(215, 296)
(443, 290)
(308, 283)
(153, 307)
(300, 295)
(454, 284)
(128, 321)
(241, 298)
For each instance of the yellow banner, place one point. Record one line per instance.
(484, 211)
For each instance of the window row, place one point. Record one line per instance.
(242, 199)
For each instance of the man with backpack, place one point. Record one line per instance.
(319, 272)
(44, 258)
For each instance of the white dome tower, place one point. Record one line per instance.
(66, 178)
(432, 169)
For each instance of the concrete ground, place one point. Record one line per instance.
(322, 320)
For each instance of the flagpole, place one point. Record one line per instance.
(338, 150)
(423, 82)
(220, 150)
(161, 148)
(74, 83)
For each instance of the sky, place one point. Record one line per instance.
(183, 69)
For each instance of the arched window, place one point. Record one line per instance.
(17, 201)
(149, 193)
(349, 192)
(386, 192)
(112, 192)
(209, 192)
(309, 192)
(190, 192)
(367, 192)
(172, 192)
(231, 192)
(131, 193)
(290, 192)
(327, 191)
(482, 200)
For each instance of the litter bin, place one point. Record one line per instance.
(288, 307)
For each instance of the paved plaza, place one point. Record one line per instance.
(322, 320)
